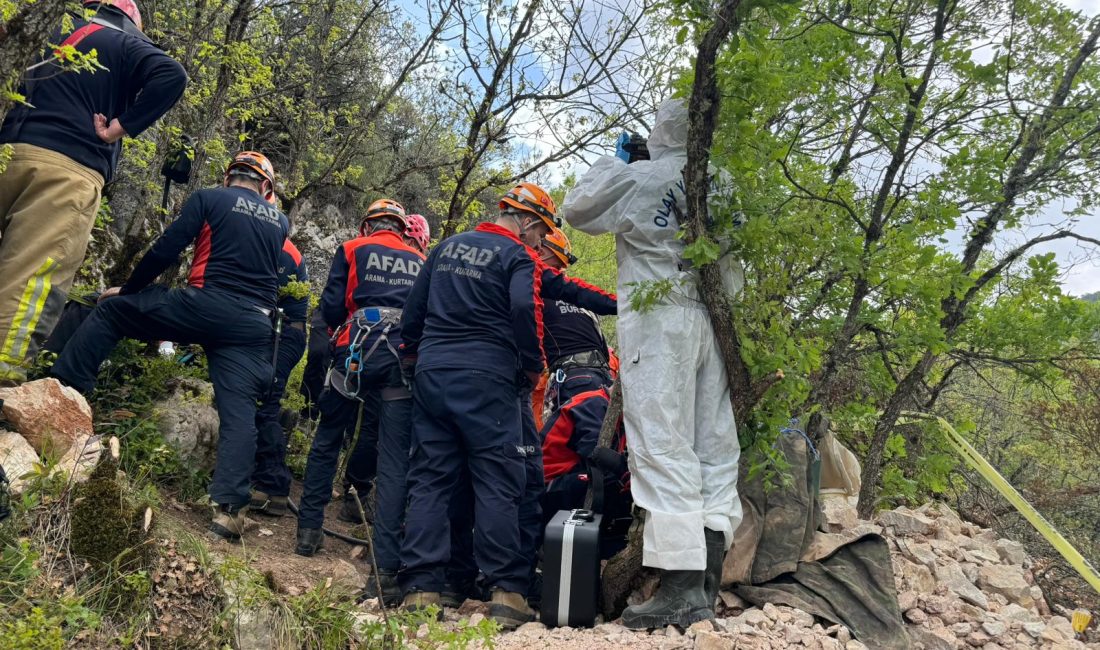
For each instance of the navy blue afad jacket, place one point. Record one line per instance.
(238, 240)
(292, 268)
(139, 85)
(570, 330)
(478, 303)
(373, 271)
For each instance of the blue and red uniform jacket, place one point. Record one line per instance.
(238, 240)
(373, 271)
(556, 285)
(571, 434)
(570, 330)
(140, 83)
(292, 268)
(477, 304)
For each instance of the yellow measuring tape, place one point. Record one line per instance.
(994, 478)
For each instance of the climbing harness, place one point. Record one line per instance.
(360, 326)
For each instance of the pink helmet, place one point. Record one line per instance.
(416, 229)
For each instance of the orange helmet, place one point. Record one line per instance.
(383, 208)
(127, 7)
(255, 165)
(529, 197)
(558, 244)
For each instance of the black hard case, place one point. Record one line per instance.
(571, 569)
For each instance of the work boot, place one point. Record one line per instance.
(391, 593)
(680, 600)
(229, 522)
(349, 512)
(264, 504)
(416, 601)
(509, 609)
(309, 541)
(716, 554)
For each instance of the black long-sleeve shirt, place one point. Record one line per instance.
(138, 86)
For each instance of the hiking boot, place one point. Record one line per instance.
(509, 609)
(416, 601)
(680, 600)
(228, 522)
(309, 541)
(716, 554)
(391, 592)
(349, 512)
(263, 503)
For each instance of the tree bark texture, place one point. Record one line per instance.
(22, 38)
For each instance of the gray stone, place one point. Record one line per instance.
(932, 639)
(951, 576)
(712, 641)
(1011, 552)
(1035, 629)
(1058, 630)
(962, 629)
(918, 552)
(189, 422)
(1013, 613)
(754, 617)
(905, 522)
(914, 577)
(994, 628)
(916, 615)
(1009, 581)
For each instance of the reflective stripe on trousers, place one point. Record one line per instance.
(31, 305)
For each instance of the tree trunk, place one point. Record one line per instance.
(22, 38)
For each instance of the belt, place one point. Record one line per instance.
(589, 359)
(375, 315)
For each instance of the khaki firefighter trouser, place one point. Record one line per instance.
(48, 204)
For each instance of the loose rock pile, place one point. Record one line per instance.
(959, 586)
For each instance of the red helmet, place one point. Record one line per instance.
(416, 229)
(128, 7)
(255, 165)
(380, 209)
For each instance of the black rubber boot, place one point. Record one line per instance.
(391, 592)
(680, 600)
(309, 541)
(716, 555)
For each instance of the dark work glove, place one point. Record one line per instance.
(611, 462)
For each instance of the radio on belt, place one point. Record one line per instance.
(571, 569)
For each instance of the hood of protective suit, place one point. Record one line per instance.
(670, 130)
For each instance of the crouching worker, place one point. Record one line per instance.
(226, 308)
(370, 278)
(271, 478)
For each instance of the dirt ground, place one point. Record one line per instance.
(268, 546)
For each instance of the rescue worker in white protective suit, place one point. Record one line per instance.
(679, 421)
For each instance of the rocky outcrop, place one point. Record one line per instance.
(187, 419)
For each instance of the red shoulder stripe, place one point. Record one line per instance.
(353, 274)
(290, 249)
(398, 244)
